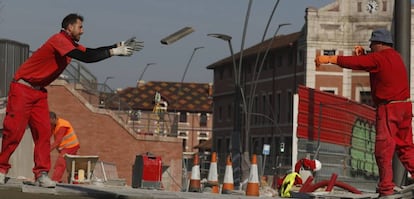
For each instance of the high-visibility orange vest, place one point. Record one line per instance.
(69, 139)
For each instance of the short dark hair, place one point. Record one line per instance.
(52, 115)
(71, 19)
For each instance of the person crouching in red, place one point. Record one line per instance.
(65, 141)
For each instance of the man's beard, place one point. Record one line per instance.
(76, 39)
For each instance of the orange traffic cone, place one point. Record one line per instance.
(228, 185)
(212, 179)
(195, 176)
(253, 183)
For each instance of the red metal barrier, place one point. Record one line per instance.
(330, 184)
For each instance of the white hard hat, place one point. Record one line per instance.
(318, 165)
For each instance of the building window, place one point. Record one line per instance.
(331, 90)
(270, 108)
(266, 65)
(256, 108)
(329, 52)
(256, 68)
(301, 56)
(182, 134)
(247, 69)
(278, 106)
(220, 113)
(183, 116)
(230, 69)
(290, 106)
(203, 119)
(228, 144)
(219, 146)
(264, 109)
(229, 112)
(203, 136)
(359, 6)
(279, 61)
(184, 144)
(201, 141)
(384, 6)
(290, 58)
(221, 71)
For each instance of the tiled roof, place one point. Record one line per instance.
(191, 97)
(278, 42)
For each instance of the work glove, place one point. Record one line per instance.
(359, 50)
(324, 59)
(122, 50)
(133, 43)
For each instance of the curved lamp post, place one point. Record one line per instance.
(145, 69)
(227, 38)
(236, 134)
(175, 131)
(188, 63)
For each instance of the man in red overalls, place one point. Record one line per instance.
(65, 141)
(391, 95)
(27, 98)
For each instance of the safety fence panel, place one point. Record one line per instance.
(338, 131)
(330, 118)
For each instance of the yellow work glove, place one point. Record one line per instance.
(323, 59)
(287, 184)
(359, 50)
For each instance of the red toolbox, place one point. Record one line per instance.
(147, 171)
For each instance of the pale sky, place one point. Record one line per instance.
(107, 22)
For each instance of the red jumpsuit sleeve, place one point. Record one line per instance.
(58, 137)
(367, 62)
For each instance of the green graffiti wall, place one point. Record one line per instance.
(362, 148)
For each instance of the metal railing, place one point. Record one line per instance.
(78, 75)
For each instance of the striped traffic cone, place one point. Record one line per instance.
(228, 184)
(195, 176)
(212, 179)
(252, 188)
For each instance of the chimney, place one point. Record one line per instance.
(210, 90)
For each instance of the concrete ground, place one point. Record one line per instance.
(15, 189)
(16, 193)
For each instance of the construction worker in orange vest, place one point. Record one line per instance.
(66, 142)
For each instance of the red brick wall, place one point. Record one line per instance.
(100, 134)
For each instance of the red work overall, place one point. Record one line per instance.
(394, 131)
(26, 106)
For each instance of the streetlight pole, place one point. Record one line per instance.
(227, 38)
(236, 134)
(175, 122)
(145, 69)
(188, 63)
(139, 81)
(255, 79)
